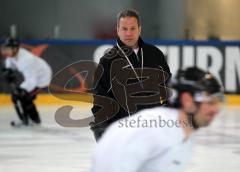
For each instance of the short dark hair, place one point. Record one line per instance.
(128, 13)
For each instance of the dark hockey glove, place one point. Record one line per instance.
(9, 75)
(21, 94)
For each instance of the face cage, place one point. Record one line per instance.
(205, 97)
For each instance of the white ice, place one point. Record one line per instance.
(52, 148)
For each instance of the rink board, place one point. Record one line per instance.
(46, 99)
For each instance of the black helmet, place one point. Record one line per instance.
(196, 82)
(11, 42)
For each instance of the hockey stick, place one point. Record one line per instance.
(19, 106)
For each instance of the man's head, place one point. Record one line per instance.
(129, 27)
(198, 94)
(10, 47)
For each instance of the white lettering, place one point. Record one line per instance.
(212, 54)
(99, 52)
(173, 58)
(188, 57)
(232, 68)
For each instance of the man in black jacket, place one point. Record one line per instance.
(131, 76)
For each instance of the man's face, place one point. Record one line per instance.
(8, 51)
(207, 111)
(129, 31)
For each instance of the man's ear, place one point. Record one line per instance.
(140, 30)
(187, 100)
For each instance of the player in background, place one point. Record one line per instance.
(160, 139)
(36, 73)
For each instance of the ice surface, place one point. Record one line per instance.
(52, 148)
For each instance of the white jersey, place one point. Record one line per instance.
(36, 72)
(143, 144)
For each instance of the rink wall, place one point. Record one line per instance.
(222, 58)
(47, 99)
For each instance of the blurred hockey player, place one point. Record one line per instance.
(160, 139)
(36, 73)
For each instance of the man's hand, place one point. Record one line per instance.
(21, 93)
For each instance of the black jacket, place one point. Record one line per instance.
(153, 58)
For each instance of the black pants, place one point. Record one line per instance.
(26, 108)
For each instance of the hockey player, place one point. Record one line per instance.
(160, 139)
(36, 73)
